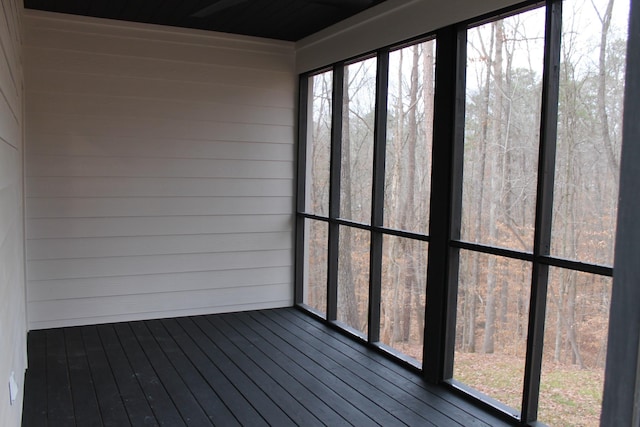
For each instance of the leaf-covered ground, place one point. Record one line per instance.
(569, 396)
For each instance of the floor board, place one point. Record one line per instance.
(110, 401)
(206, 397)
(130, 391)
(85, 401)
(272, 367)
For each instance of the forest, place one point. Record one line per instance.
(499, 193)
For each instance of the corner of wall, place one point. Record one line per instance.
(13, 329)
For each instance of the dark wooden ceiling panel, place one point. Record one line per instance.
(278, 19)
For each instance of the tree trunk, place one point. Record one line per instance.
(576, 357)
(317, 294)
(348, 304)
(471, 291)
(395, 206)
(488, 343)
(408, 211)
(613, 161)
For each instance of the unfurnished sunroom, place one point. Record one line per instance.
(406, 217)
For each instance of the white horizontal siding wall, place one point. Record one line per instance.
(159, 171)
(13, 328)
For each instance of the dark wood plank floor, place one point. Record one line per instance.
(274, 367)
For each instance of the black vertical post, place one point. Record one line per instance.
(621, 403)
(303, 111)
(377, 196)
(334, 191)
(457, 166)
(449, 95)
(544, 210)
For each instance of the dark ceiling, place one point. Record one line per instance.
(277, 19)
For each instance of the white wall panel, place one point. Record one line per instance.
(100, 146)
(143, 87)
(13, 324)
(49, 290)
(159, 171)
(153, 264)
(137, 67)
(157, 187)
(131, 307)
(65, 164)
(10, 127)
(133, 315)
(154, 226)
(138, 124)
(154, 33)
(95, 105)
(95, 247)
(198, 50)
(76, 207)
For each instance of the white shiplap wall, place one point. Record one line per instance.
(159, 171)
(12, 285)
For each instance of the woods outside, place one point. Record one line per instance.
(502, 125)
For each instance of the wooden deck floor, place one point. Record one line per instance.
(275, 367)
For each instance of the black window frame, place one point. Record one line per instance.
(376, 226)
(446, 194)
